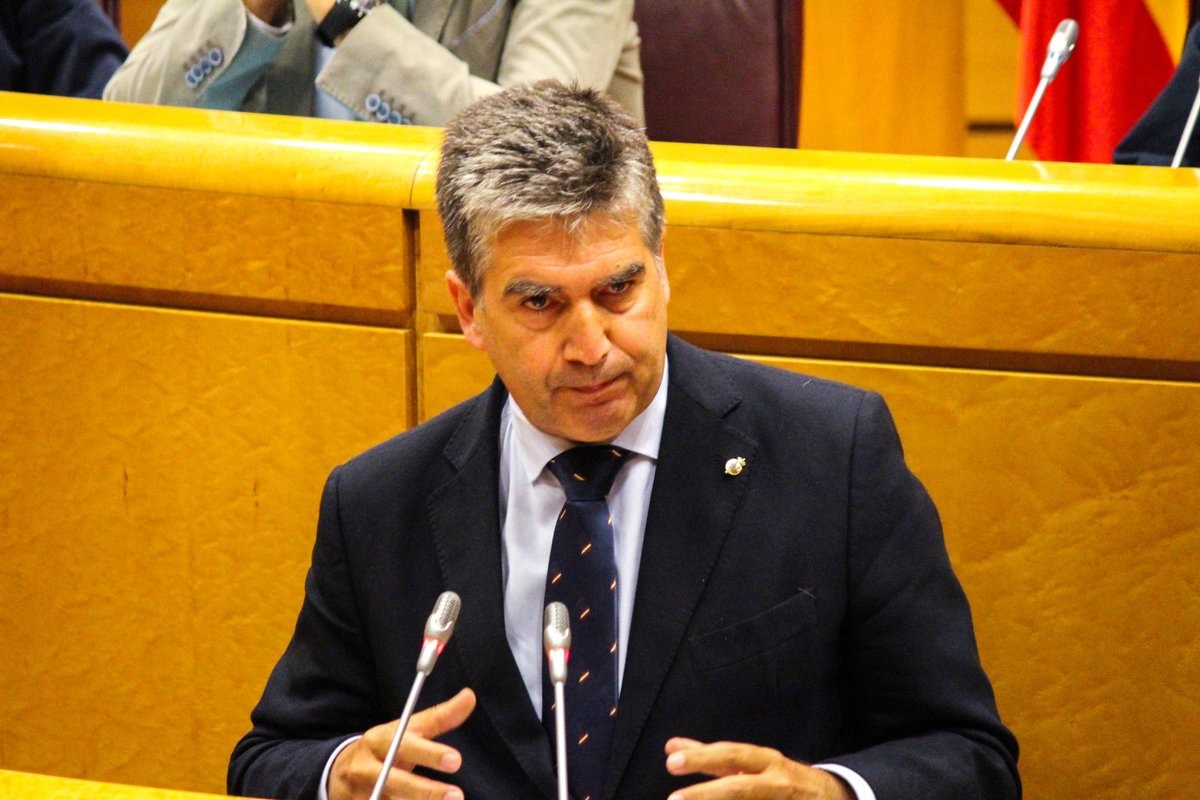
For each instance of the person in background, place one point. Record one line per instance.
(60, 47)
(761, 603)
(398, 61)
(1155, 138)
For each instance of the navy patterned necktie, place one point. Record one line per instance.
(582, 574)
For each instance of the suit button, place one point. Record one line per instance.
(383, 111)
(215, 56)
(395, 118)
(373, 101)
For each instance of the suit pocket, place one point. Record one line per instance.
(760, 633)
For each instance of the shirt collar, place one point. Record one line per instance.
(532, 448)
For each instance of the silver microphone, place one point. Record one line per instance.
(556, 639)
(438, 628)
(1062, 44)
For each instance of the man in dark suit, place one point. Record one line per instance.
(785, 618)
(61, 47)
(1155, 137)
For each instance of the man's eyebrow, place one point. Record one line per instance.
(527, 288)
(630, 273)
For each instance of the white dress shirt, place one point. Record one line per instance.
(530, 501)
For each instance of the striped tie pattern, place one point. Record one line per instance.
(582, 574)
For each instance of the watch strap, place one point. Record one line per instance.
(342, 16)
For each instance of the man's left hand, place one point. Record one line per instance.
(746, 771)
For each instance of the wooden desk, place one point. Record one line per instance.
(27, 786)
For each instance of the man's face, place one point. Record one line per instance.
(576, 326)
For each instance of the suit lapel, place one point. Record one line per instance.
(465, 515)
(692, 507)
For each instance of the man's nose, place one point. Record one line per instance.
(586, 336)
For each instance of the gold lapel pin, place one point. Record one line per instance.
(734, 466)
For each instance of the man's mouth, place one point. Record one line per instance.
(595, 387)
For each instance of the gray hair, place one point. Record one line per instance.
(542, 151)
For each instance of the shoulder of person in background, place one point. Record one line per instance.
(59, 47)
(1155, 137)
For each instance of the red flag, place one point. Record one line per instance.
(1120, 64)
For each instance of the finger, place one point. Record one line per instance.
(416, 751)
(417, 747)
(356, 770)
(410, 786)
(678, 743)
(720, 759)
(730, 787)
(436, 720)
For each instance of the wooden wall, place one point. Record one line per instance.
(171, 401)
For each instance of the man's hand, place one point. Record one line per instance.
(745, 771)
(356, 768)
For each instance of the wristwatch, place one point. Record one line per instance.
(343, 16)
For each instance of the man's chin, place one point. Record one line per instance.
(595, 423)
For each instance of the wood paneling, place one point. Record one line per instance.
(159, 482)
(885, 77)
(136, 18)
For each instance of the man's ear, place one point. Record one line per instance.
(464, 306)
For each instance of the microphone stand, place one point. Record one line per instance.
(1029, 112)
(556, 638)
(1062, 44)
(438, 629)
(409, 705)
(560, 739)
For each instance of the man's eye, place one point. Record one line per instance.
(619, 287)
(537, 302)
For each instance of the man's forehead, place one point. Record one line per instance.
(539, 244)
(566, 234)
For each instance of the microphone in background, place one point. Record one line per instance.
(1187, 130)
(438, 628)
(556, 639)
(1062, 43)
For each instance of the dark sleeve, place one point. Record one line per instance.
(320, 692)
(921, 709)
(62, 47)
(1155, 137)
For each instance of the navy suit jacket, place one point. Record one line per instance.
(61, 47)
(806, 604)
(1155, 138)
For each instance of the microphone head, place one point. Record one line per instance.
(557, 632)
(1062, 44)
(445, 613)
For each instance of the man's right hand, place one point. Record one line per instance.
(356, 768)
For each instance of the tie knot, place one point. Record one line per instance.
(587, 472)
